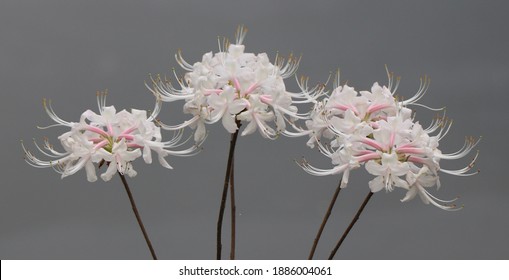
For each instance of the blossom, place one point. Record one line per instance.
(111, 137)
(375, 129)
(233, 85)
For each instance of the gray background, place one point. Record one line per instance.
(67, 50)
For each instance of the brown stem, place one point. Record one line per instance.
(138, 218)
(233, 210)
(352, 223)
(233, 141)
(322, 226)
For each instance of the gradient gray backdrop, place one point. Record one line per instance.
(66, 50)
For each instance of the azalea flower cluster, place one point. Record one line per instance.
(235, 86)
(110, 137)
(375, 129)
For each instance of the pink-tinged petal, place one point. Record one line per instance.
(392, 138)
(96, 130)
(101, 144)
(129, 130)
(265, 98)
(373, 143)
(377, 107)
(410, 150)
(96, 140)
(134, 145)
(251, 88)
(236, 83)
(110, 129)
(367, 157)
(126, 136)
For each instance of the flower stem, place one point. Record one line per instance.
(138, 218)
(229, 165)
(322, 226)
(233, 211)
(352, 223)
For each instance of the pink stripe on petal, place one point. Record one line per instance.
(393, 137)
(129, 130)
(410, 150)
(416, 160)
(251, 88)
(372, 143)
(96, 130)
(110, 129)
(236, 84)
(267, 99)
(127, 137)
(374, 108)
(132, 145)
(101, 144)
(368, 157)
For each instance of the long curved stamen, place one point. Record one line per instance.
(321, 172)
(433, 200)
(462, 172)
(469, 144)
(51, 113)
(96, 130)
(423, 88)
(182, 62)
(53, 155)
(179, 126)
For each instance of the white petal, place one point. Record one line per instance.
(164, 163)
(112, 169)
(237, 106)
(375, 169)
(410, 194)
(90, 169)
(147, 154)
(229, 123)
(200, 132)
(376, 184)
(250, 128)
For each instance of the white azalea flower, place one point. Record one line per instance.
(111, 137)
(421, 180)
(377, 130)
(232, 85)
(388, 172)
